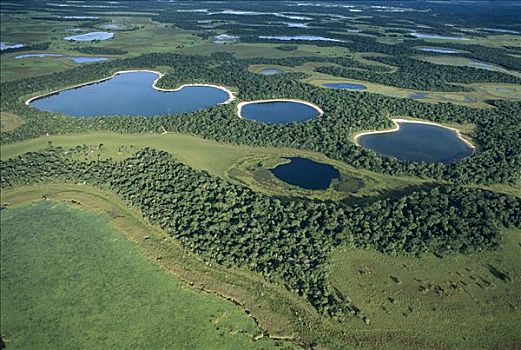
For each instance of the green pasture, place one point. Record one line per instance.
(464, 62)
(454, 302)
(71, 280)
(9, 121)
(476, 98)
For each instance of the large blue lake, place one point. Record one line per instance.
(306, 173)
(129, 94)
(278, 112)
(418, 142)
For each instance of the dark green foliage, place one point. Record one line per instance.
(415, 74)
(289, 241)
(37, 46)
(498, 159)
(95, 50)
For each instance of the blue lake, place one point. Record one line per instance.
(129, 94)
(418, 142)
(351, 86)
(270, 71)
(90, 36)
(278, 112)
(306, 173)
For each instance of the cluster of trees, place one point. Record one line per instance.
(288, 242)
(415, 74)
(35, 47)
(99, 50)
(498, 158)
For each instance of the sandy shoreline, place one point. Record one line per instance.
(396, 122)
(231, 95)
(244, 103)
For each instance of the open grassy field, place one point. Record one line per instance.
(231, 162)
(224, 160)
(466, 62)
(71, 279)
(476, 98)
(9, 121)
(457, 302)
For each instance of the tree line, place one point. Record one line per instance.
(289, 241)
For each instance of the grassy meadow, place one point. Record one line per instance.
(457, 302)
(70, 279)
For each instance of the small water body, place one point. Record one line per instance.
(90, 36)
(295, 25)
(79, 17)
(419, 95)
(87, 59)
(306, 173)
(438, 50)
(437, 36)
(270, 71)
(5, 46)
(504, 89)
(482, 65)
(278, 112)
(351, 86)
(418, 142)
(298, 37)
(129, 94)
(38, 55)
(113, 26)
(502, 31)
(72, 58)
(225, 38)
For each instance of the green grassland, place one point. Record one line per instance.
(158, 295)
(71, 280)
(224, 160)
(9, 121)
(464, 62)
(457, 302)
(476, 98)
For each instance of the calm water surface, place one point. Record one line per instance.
(90, 36)
(129, 94)
(270, 71)
(351, 86)
(306, 173)
(278, 112)
(418, 142)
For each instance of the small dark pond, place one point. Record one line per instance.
(270, 71)
(419, 142)
(351, 86)
(306, 173)
(129, 94)
(278, 112)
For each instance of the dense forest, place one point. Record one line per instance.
(288, 242)
(498, 159)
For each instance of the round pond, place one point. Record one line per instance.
(306, 173)
(418, 142)
(278, 112)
